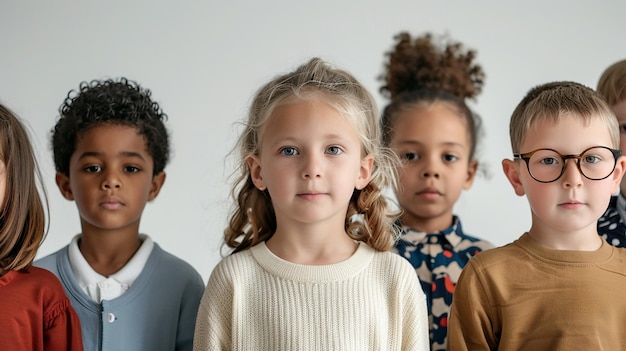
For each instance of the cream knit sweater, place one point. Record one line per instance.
(255, 300)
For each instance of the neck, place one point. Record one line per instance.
(312, 245)
(582, 240)
(108, 252)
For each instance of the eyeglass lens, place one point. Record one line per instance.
(595, 163)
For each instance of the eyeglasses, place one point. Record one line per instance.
(547, 165)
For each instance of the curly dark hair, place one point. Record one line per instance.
(421, 70)
(421, 63)
(111, 101)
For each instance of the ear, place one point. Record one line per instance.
(63, 182)
(618, 173)
(511, 170)
(256, 173)
(471, 174)
(365, 172)
(157, 184)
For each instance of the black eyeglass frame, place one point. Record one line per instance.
(526, 157)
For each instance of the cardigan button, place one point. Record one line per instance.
(110, 317)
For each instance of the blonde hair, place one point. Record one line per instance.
(555, 101)
(22, 216)
(612, 83)
(253, 219)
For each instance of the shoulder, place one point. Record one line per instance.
(509, 254)
(236, 270)
(617, 261)
(236, 264)
(44, 281)
(171, 264)
(392, 265)
(51, 261)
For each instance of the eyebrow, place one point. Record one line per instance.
(415, 142)
(123, 154)
(331, 136)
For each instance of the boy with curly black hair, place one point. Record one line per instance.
(110, 149)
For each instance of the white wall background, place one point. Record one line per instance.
(203, 61)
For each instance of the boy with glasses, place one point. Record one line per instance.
(560, 285)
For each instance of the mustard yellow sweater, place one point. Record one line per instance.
(254, 300)
(524, 296)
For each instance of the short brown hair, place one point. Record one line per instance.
(556, 100)
(612, 83)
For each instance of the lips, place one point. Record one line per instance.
(571, 204)
(427, 191)
(311, 195)
(112, 204)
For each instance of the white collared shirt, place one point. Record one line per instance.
(99, 287)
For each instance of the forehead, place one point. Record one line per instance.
(567, 134)
(307, 120)
(436, 121)
(107, 136)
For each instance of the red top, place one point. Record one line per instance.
(35, 313)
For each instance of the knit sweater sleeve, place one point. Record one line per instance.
(414, 310)
(213, 323)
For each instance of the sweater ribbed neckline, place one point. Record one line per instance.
(604, 253)
(310, 273)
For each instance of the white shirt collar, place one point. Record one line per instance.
(99, 287)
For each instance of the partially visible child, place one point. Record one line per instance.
(110, 149)
(35, 314)
(560, 286)
(311, 228)
(612, 85)
(429, 125)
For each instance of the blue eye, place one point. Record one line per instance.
(334, 150)
(592, 159)
(289, 151)
(548, 161)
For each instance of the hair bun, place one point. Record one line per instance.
(431, 63)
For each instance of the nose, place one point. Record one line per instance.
(572, 178)
(312, 167)
(111, 181)
(431, 168)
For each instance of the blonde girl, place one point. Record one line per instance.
(310, 230)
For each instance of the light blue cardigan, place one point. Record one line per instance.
(158, 312)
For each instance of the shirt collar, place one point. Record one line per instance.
(453, 234)
(88, 278)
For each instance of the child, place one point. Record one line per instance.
(110, 149)
(35, 313)
(434, 132)
(309, 269)
(559, 286)
(612, 85)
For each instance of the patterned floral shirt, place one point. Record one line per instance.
(438, 259)
(612, 226)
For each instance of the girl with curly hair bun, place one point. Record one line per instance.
(433, 131)
(305, 273)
